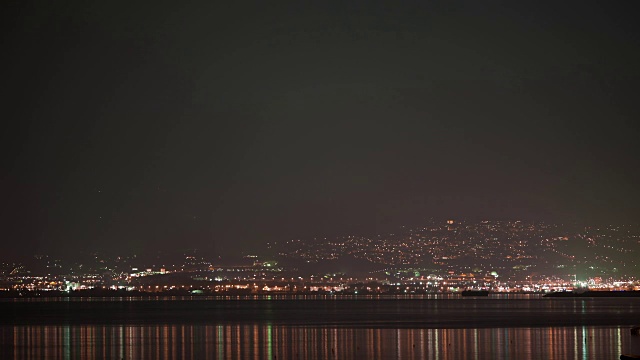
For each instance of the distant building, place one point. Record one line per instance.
(450, 225)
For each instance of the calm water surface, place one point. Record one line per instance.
(387, 328)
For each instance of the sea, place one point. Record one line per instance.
(499, 326)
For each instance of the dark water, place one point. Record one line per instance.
(441, 328)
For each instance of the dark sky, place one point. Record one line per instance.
(131, 127)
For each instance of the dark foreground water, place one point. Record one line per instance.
(423, 328)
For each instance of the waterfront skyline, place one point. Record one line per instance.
(225, 127)
(510, 249)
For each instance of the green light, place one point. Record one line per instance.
(269, 343)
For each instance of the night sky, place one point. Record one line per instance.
(134, 128)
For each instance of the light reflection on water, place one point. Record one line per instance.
(266, 341)
(447, 296)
